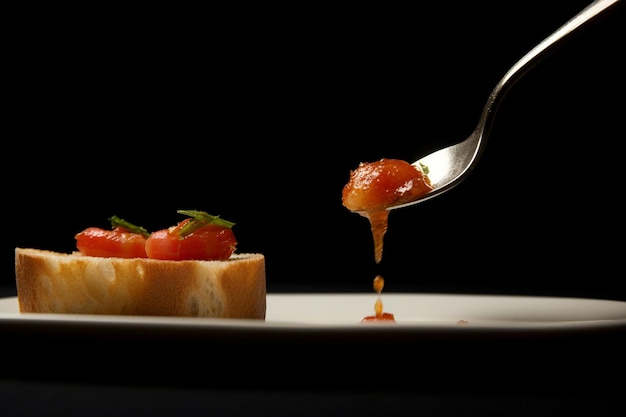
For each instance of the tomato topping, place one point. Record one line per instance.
(118, 242)
(209, 242)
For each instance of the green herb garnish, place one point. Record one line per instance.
(200, 219)
(117, 222)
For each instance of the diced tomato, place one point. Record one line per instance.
(119, 243)
(210, 242)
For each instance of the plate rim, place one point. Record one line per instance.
(270, 325)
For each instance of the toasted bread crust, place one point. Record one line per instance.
(52, 282)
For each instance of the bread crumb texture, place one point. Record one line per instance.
(51, 282)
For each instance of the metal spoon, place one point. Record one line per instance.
(448, 166)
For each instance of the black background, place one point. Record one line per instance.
(258, 116)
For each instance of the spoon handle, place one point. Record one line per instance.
(540, 51)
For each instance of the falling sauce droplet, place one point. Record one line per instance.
(380, 315)
(378, 307)
(379, 283)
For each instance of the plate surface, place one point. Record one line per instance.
(336, 312)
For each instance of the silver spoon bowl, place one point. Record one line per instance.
(448, 166)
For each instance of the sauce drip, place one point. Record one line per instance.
(380, 315)
(372, 190)
(379, 219)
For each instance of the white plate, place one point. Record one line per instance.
(321, 314)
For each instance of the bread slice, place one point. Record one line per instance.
(53, 282)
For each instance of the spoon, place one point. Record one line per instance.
(448, 166)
